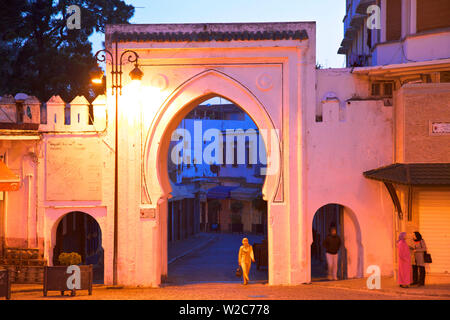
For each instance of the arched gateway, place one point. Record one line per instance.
(266, 69)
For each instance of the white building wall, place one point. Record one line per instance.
(354, 136)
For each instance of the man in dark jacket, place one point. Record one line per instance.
(332, 243)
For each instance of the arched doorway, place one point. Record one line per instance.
(350, 256)
(216, 199)
(79, 232)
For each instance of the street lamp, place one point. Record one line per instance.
(116, 76)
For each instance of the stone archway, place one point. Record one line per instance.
(187, 96)
(200, 88)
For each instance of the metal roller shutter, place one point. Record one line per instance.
(434, 225)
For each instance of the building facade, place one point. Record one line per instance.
(385, 32)
(405, 57)
(234, 184)
(327, 138)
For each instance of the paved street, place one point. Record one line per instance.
(215, 262)
(227, 291)
(207, 272)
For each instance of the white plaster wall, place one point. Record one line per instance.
(50, 212)
(338, 152)
(20, 205)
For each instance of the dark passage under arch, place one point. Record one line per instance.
(79, 232)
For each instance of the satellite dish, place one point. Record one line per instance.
(21, 96)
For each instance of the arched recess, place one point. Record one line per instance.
(80, 232)
(197, 89)
(352, 251)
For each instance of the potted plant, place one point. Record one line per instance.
(69, 275)
(236, 217)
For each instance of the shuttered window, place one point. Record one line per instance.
(432, 14)
(393, 20)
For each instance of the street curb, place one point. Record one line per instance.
(385, 292)
(19, 290)
(192, 249)
(26, 290)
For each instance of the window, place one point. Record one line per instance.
(235, 162)
(247, 153)
(445, 76)
(224, 153)
(433, 14)
(376, 89)
(393, 20)
(382, 89)
(388, 89)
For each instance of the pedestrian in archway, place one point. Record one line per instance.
(419, 262)
(246, 257)
(404, 261)
(332, 244)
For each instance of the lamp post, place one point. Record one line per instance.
(116, 76)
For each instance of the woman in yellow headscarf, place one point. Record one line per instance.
(245, 259)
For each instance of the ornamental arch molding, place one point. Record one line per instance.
(186, 97)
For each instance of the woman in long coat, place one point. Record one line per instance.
(245, 259)
(419, 266)
(404, 261)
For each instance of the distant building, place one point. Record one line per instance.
(196, 184)
(40, 157)
(400, 31)
(406, 63)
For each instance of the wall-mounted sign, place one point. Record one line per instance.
(148, 213)
(440, 127)
(73, 169)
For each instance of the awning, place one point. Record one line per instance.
(246, 194)
(417, 174)
(180, 192)
(8, 180)
(220, 192)
(402, 69)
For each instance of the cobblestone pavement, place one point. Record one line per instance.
(215, 262)
(388, 285)
(225, 291)
(208, 274)
(180, 248)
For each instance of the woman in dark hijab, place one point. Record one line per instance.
(419, 265)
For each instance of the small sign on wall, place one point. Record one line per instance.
(148, 213)
(439, 128)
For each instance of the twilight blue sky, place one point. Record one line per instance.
(328, 15)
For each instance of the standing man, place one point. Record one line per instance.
(332, 244)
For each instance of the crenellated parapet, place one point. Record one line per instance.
(23, 112)
(79, 119)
